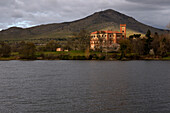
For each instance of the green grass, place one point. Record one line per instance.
(70, 53)
(166, 58)
(14, 55)
(7, 58)
(168, 53)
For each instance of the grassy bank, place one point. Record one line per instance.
(79, 55)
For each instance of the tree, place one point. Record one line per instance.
(168, 42)
(131, 37)
(148, 34)
(156, 43)
(27, 50)
(87, 53)
(125, 47)
(160, 45)
(163, 49)
(51, 46)
(83, 40)
(168, 26)
(135, 36)
(5, 50)
(138, 46)
(148, 42)
(168, 37)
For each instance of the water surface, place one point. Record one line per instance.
(84, 87)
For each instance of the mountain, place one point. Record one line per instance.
(104, 20)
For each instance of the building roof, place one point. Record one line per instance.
(102, 32)
(123, 25)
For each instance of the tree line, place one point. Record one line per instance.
(152, 45)
(155, 46)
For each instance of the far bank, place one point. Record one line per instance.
(80, 55)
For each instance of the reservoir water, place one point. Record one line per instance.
(84, 87)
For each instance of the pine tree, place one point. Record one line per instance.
(148, 42)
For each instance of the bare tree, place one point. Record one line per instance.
(168, 26)
(160, 45)
(125, 47)
(82, 40)
(5, 49)
(138, 46)
(27, 50)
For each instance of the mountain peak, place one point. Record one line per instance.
(107, 19)
(109, 11)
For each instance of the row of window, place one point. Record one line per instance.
(98, 36)
(97, 42)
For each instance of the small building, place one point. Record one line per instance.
(103, 39)
(59, 49)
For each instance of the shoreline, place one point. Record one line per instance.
(83, 60)
(78, 55)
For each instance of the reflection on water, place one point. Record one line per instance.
(84, 86)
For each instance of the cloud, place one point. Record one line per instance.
(156, 12)
(27, 13)
(152, 2)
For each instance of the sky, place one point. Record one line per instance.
(28, 13)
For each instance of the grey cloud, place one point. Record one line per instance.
(5, 3)
(152, 2)
(26, 13)
(17, 14)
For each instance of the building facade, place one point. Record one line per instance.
(103, 39)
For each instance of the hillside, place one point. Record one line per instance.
(104, 20)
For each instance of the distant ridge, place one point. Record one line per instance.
(103, 20)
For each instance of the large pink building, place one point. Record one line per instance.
(107, 38)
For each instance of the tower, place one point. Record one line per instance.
(123, 30)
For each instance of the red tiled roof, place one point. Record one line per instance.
(96, 32)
